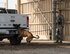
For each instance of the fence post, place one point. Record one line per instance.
(54, 5)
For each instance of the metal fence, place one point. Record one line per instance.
(40, 16)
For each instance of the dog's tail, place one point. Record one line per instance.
(37, 37)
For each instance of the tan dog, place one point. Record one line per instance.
(29, 35)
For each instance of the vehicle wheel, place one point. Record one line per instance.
(15, 40)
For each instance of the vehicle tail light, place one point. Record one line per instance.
(27, 21)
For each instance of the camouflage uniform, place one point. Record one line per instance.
(59, 28)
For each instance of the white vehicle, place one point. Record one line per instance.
(9, 21)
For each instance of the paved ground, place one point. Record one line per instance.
(36, 47)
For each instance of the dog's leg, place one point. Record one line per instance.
(29, 40)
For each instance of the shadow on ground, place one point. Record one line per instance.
(24, 46)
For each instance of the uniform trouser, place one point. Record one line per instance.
(59, 37)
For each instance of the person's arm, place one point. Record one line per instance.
(57, 20)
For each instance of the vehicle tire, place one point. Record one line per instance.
(15, 40)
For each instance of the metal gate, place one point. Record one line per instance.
(40, 16)
(65, 7)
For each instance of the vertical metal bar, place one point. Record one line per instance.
(18, 4)
(53, 19)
